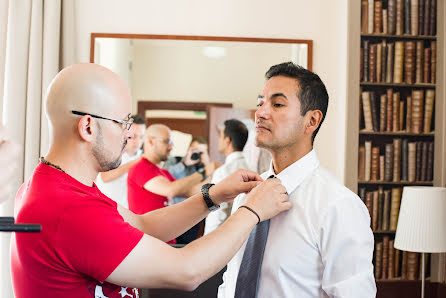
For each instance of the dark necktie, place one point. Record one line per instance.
(248, 278)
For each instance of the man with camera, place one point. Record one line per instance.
(150, 186)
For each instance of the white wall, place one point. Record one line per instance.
(325, 22)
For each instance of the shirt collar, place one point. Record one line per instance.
(295, 173)
(233, 156)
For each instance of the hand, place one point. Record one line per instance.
(268, 199)
(9, 152)
(241, 181)
(210, 168)
(188, 161)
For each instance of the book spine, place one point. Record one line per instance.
(412, 147)
(398, 67)
(421, 17)
(378, 16)
(396, 112)
(407, 17)
(399, 17)
(374, 110)
(414, 17)
(396, 160)
(366, 105)
(364, 16)
(419, 62)
(409, 114)
(424, 153)
(370, 18)
(385, 258)
(391, 8)
(368, 159)
(375, 163)
(428, 110)
(389, 126)
(382, 112)
(404, 160)
(388, 159)
(366, 61)
(430, 162)
(361, 163)
(386, 210)
(427, 16)
(372, 63)
(409, 62)
(433, 61)
(427, 65)
(389, 67)
(395, 208)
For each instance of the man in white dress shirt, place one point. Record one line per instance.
(233, 137)
(114, 182)
(322, 247)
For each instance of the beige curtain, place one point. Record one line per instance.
(30, 47)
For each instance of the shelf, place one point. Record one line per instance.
(402, 37)
(416, 183)
(398, 133)
(380, 232)
(399, 279)
(403, 85)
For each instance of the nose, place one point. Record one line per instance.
(262, 112)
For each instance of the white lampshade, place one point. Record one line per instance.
(422, 220)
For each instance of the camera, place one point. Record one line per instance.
(196, 155)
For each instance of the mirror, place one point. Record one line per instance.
(173, 79)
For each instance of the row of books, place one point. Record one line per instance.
(391, 263)
(399, 62)
(395, 162)
(390, 112)
(413, 17)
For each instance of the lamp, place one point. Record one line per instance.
(421, 222)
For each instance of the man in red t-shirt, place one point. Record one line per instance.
(149, 186)
(90, 246)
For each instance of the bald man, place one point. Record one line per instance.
(90, 246)
(150, 186)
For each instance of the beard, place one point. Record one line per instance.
(101, 156)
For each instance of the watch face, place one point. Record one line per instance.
(214, 207)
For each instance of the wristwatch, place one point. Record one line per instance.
(207, 198)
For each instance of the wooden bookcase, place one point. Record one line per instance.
(357, 134)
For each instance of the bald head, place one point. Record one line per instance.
(88, 88)
(157, 142)
(157, 130)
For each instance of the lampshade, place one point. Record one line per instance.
(422, 220)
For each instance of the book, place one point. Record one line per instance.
(377, 26)
(419, 62)
(391, 273)
(396, 160)
(407, 17)
(395, 207)
(409, 114)
(362, 193)
(379, 52)
(389, 118)
(411, 171)
(391, 15)
(409, 62)
(396, 112)
(361, 163)
(378, 259)
(399, 17)
(368, 159)
(367, 110)
(366, 60)
(396, 262)
(375, 164)
(372, 63)
(417, 111)
(427, 65)
(433, 21)
(374, 110)
(364, 17)
(361, 64)
(404, 266)
(412, 266)
(385, 26)
(380, 192)
(382, 112)
(404, 160)
(427, 16)
(370, 17)
(398, 61)
(428, 110)
(375, 211)
(389, 66)
(386, 210)
(388, 160)
(369, 204)
(383, 61)
(381, 168)
(420, 17)
(418, 161)
(433, 60)
(414, 17)
(424, 153)
(385, 257)
(430, 162)
(401, 113)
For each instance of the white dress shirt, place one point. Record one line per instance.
(321, 247)
(117, 189)
(233, 162)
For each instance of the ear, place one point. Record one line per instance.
(85, 128)
(228, 141)
(314, 118)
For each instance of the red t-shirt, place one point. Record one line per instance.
(141, 200)
(83, 239)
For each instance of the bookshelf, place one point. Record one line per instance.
(413, 79)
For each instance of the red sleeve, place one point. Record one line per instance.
(143, 172)
(168, 175)
(94, 239)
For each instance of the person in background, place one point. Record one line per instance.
(9, 152)
(113, 183)
(323, 247)
(233, 137)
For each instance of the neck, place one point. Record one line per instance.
(228, 150)
(73, 162)
(284, 157)
(153, 158)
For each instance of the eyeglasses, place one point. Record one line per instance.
(165, 141)
(126, 124)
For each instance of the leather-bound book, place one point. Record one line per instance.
(366, 61)
(404, 160)
(396, 112)
(372, 63)
(427, 16)
(419, 62)
(382, 112)
(361, 65)
(424, 153)
(389, 126)
(391, 273)
(383, 61)
(417, 111)
(399, 17)
(418, 161)
(388, 160)
(378, 259)
(412, 266)
(409, 114)
(369, 203)
(427, 65)
(375, 164)
(404, 266)
(386, 210)
(381, 168)
(433, 18)
(389, 66)
(396, 262)
(371, 16)
(430, 162)
(407, 17)
(396, 160)
(391, 9)
(411, 171)
(385, 259)
(420, 17)
(401, 122)
(433, 60)
(385, 24)
(364, 16)
(395, 207)
(379, 53)
(366, 106)
(428, 110)
(368, 159)
(375, 112)
(361, 163)
(378, 16)
(398, 67)
(361, 193)
(409, 62)
(414, 17)
(375, 211)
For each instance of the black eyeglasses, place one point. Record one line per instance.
(126, 124)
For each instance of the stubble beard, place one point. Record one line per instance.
(100, 155)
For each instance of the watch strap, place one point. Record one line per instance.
(207, 199)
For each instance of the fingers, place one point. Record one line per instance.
(247, 175)
(248, 186)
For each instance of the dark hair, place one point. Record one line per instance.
(312, 93)
(138, 119)
(237, 132)
(199, 140)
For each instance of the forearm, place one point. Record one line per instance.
(118, 172)
(187, 186)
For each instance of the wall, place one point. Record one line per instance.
(325, 22)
